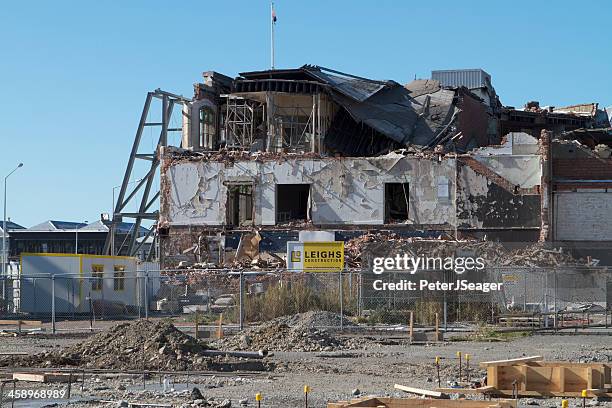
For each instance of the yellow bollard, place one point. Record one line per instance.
(438, 369)
(258, 398)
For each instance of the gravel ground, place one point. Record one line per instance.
(331, 375)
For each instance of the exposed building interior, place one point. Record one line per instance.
(314, 148)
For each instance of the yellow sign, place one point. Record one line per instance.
(316, 256)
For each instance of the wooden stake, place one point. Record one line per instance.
(220, 328)
(411, 327)
(467, 367)
(196, 325)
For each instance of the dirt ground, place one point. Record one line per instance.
(331, 376)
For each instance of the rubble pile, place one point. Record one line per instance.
(263, 260)
(314, 320)
(301, 332)
(495, 254)
(231, 155)
(143, 344)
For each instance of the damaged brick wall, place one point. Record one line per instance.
(190, 245)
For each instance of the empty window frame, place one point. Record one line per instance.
(208, 126)
(396, 202)
(119, 277)
(240, 204)
(97, 274)
(444, 188)
(292, 202)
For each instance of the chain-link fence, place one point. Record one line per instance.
(528, 297)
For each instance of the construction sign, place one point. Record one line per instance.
(315, 256)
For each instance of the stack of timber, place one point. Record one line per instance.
(534, 377)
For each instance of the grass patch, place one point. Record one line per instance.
(491, 334)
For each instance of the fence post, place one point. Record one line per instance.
(146, 295)
(524, 292)
(555, 303)
(546, 299)
(53, 304)
(359, 294)
(139, 297)
(241, 314)
(350, 285)
(341, 303)
(445, 314)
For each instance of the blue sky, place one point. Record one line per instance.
(74, 74)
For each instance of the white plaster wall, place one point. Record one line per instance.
(522, 170)
(343, 191)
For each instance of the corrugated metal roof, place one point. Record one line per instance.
(470, 78)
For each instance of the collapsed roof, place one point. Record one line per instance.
(355, 116)
(405, 116)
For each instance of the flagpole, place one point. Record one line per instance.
(272, 33)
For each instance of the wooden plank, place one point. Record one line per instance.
(561, 379)
(603, 392)
(569, 394)
(419, 391)
(492, 377)
(31, 377)
(44, 377)
(511, 361)
(565, 363)
(468, 391)
(20, 322)
(524, 369)
(385, 402)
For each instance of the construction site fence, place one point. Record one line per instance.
(533, 298)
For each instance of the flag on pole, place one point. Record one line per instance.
(273, 14)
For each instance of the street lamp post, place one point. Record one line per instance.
(4, 250)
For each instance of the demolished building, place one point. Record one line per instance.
(281, 151)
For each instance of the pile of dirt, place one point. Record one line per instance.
(140, 345)
(314, 320)
(301, 332)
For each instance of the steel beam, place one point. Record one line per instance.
(147, 198)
